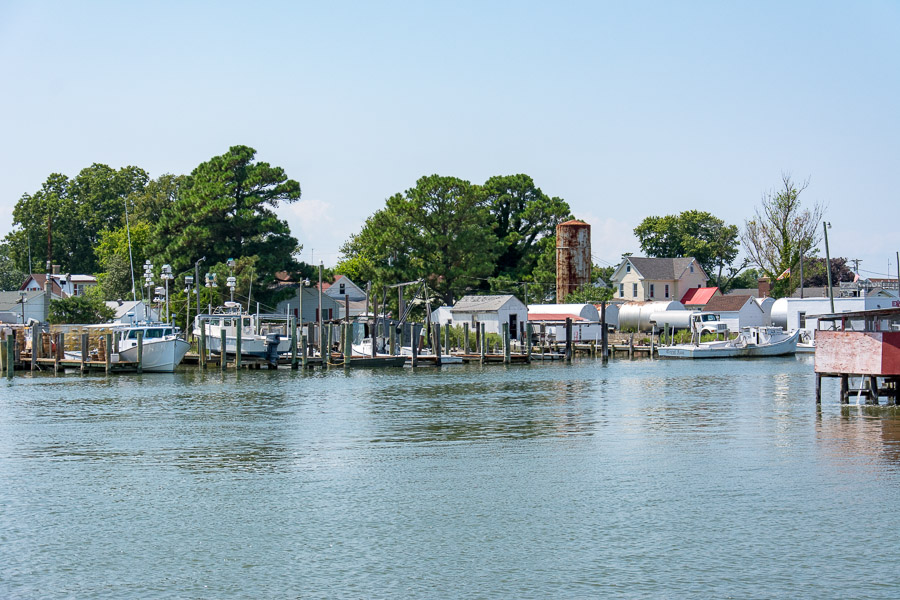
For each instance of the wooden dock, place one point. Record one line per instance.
(864, 345)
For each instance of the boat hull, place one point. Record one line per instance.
(729, 350)
(158, 356)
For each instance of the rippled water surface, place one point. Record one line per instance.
(637, 479)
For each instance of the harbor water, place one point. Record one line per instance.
(637, 479)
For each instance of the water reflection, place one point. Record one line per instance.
(861, 436)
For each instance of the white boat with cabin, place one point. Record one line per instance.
(750, 342)
(257, 340)
(162, 348)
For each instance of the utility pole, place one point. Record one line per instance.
(825, 226)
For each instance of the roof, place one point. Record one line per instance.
(41, 279)
(470, 304)
(661, 268)
(10, 300)
(554, 317)
(731, 303)
(699, 296)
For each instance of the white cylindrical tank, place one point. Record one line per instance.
(780, 313)
(680, 319)
(636, 315)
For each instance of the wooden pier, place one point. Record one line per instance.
(864, 345)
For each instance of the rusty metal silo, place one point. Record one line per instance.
(573, 257)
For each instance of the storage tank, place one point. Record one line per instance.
(573, 257)
(636, 315)
(666, 319)
(780, 313)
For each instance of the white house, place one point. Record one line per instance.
(343, 287)
(62, 285)
(737, 311)
(35, 306)
(310, 302)
(132, 311)
(639, 279)
(493, 311)
(800, 313)
(550, 319)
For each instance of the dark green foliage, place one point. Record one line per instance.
(225, 209)
(80, 309)
(11, 277)
(691, 233)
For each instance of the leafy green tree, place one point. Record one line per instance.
(691, 233)
(439, 231)
(226, 209)
(523, 215)
(87, 309)
(11, 277)
(76, 212)
(781, 226)
(149, 203)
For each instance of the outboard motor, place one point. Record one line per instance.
(272, 341)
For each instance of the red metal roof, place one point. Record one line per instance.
(554, 317)
(699, 296)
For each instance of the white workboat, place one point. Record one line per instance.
(162, 349)
(259, 341)
(750, 342)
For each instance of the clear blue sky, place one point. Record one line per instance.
(624, 109)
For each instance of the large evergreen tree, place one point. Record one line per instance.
(226, 209)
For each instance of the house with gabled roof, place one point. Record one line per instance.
(343, 287)
(696, 298)
(639, 279)
(493, 311)
(737, 311)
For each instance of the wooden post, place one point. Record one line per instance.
(108, 354)
(57, 356)
(466, 337)
(506, 344)
(845, 389)
(414, 344)
(631, 346)
(348, 347)
(482, 350)
(375, 325)
(568, 339)
(652, 347)
(223, 354)
(293, 326)
(326, 356)
(10, 356)
(393, 341)
(528, 341)
(818, 388)
(873, 389)
(35, 347)
(447, 338)
(303, 350)
(437, 344)
(140, 351)
(85, 340)
(201, 348)
(604, 334)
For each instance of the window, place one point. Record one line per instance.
(634, 290)
(802, 316)
(652, 290)
(667, 290)
(692, 270)
(621, 290)
(628, 268)
(342, 289)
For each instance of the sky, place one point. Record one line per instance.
(623, 109)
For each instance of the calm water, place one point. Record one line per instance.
(640, 479)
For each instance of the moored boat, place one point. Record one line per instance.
(162, 349)
(750, 342)
(256, 340)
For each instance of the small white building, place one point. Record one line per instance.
(24, 307)
(343, 288)
(550, 319)
(493, 311)
(737, 311)
(132, 311)
(62, 285)
(801, 313)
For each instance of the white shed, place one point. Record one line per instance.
(493, 311)
(552, 318)
(801, 313)
(737, 311)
